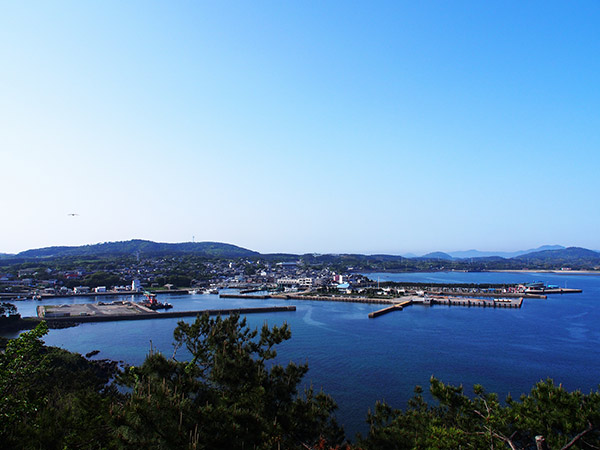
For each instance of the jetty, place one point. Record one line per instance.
(396, 307)
(334, 298)
(249, 296)
(452, 301)
(528, 294)
(480, 302)
(554, 291)
(118, 311)
(322, 298)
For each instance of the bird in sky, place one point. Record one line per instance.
(72, 214)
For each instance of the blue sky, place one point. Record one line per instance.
(373, 127)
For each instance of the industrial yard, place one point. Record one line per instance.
(92, 309)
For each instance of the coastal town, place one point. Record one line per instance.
(170, 275)
(135, 284)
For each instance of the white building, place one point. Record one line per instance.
(303, 282)
(136, 285)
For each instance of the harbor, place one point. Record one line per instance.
(460, 333)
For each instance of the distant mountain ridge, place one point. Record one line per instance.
(482, 254)
(141, 247)
(544, 257)
(437, 255)
(566, 256)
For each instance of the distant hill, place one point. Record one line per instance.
(480, 254)
(572, 256)
(437, 255)
(409, 255)
(550, 257)
(141, 247)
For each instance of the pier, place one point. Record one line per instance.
(322, 298)
(529, 294)
(452, 301)
(250, 296)
(396, 307)
(480, 302)
(335, 298)
(132, 311)
(554, 291)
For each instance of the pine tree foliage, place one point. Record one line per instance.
(229, 395)
(564, 420)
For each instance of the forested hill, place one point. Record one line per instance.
(143, 248)
(572, 256)
(437, 255)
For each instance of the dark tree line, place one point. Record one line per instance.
(229, 395)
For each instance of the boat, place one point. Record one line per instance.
(154, 304)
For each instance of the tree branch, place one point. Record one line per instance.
(589, 429)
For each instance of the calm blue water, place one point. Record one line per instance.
(359, 360)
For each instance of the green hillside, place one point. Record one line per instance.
(571, 257)
(143, 248)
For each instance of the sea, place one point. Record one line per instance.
(360, 361)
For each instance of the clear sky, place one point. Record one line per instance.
(301, 126)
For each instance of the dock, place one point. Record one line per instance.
(133, 311)
(452, 301)
(396, 307)
(528, 294)
(323, 298)
(335, 298)
(478, 302)
(555, 291)
(249, 296)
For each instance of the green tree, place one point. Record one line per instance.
(7, 309)
(51, 398)
(564, 420)
(21, 363)
(101, 279)
(227, 396)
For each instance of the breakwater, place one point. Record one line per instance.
(112, 293)
(537, 294)
(335, 298)
(249, 296)
(485, 303)
(163, 315)
(396, 307)
(554, 291)
(452, 301)
(323, 298)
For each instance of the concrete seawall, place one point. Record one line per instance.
(484, 303)
(491, 294)
(250, 296)
(164, 315)
(325, 298)
(396, 307)
(555, 291)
